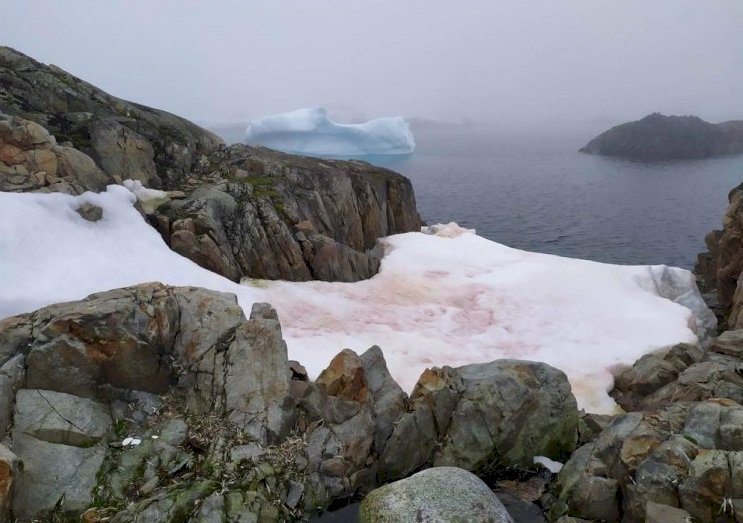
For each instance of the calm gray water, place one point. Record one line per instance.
(538, 193)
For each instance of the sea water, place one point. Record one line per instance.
(535, 191)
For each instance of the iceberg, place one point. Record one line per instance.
(311, 132)
(443, 296)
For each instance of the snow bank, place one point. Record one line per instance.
(448, 297)
(311, 132)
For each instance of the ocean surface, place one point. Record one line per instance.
(535, 191)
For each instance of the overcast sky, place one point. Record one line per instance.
(506, 62)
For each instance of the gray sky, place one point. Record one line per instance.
(507, 62)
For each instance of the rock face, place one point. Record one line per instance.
(437, 494)
(657, 137)
(718, 270)
(278, 216)
(244, 212)
(124, 139)
(167, 404)
(687, 456)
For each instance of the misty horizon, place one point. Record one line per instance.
(543, 64)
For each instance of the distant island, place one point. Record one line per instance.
(658, 137)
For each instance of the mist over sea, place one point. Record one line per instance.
(533, 190)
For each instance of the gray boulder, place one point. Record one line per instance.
(483, 416)
(54, 475)
(433, 495)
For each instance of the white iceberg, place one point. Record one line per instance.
(311, 132)
(444, 297)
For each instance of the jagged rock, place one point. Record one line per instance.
(256, 385)
(437, 494)
(338, 450)
(718, 270)
(686, 456)
(8, 475)
(389, 398)
(60, 418)
(657, 137)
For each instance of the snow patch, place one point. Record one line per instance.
(448, 297)
(311, 132)
(551, 465)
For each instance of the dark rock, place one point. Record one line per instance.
(657, 137)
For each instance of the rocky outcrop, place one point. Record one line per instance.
(686, 457)
(718, 270)
(684, 373)
(657, 137)
(31, 160)
(156, 403)
(124, 139)
(437, 494)
(279, 216)
(242, 211)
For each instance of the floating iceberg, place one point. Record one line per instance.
(311, 132)
(442, 297)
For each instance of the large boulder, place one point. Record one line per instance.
(483, 416)
(685, 456)
(437, 494)
(658, 137)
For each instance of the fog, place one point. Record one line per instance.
(530, 63)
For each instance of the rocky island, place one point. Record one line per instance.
(660, 138)
(155, 402)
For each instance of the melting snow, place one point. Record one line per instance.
(448, 297)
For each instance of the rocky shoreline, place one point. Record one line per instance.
(161, 403)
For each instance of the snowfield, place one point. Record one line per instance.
(443, 297)
(311, 132)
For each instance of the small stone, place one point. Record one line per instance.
(296, 490)
(90, 212)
